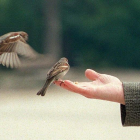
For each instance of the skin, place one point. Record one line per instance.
(102, 86)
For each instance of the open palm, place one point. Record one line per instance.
(102, 86)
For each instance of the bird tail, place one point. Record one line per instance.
(42, 92)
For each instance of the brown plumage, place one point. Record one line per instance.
(56, 72)
(13, 44)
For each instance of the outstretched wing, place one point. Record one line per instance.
(25, 50)
(12, 44)
(5, 37)
(9, 59)
(9, 53)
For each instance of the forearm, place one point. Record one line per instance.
(130, 112)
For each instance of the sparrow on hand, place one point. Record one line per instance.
(13, 44)
(55, 73)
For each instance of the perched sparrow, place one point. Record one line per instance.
(12, 44)
(56, 72)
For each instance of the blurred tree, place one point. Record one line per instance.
(90, 33)
(52, 38)
(102, 33)
(23, 15)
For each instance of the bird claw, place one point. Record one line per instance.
(61, 83)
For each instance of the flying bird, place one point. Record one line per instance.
(13, 44)
(55, 73)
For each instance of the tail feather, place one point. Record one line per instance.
(42, 92)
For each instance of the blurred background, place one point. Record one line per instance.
(90, 33)
(102, 35)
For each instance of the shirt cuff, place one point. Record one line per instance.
(130, 112)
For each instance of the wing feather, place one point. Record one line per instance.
(4, 59)
(1, 58)
(11, 60)
(58, 68)
(7, 61)
(8, 47)
(17, 61)
(14, 60)
(25, 50)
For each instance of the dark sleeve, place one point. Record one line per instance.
(130, 112)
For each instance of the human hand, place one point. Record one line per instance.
(102, 86)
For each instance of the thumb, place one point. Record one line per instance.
(91, 74)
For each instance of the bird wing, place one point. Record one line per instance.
(56, 69)
(9, 59)
(25, 50)
(12, 44)
(8, 53)
(3, 37)
(8, 56)
(8, 47)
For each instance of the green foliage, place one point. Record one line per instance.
(23, 15)
(102, 33)
(95, 33)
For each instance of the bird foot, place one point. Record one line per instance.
(61, 83)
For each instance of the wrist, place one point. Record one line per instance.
(121, 92)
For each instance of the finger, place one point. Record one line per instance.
(74, 87)
(91, 74)
(77, 88)
(62, 84)
(70, 86)
(58, 82)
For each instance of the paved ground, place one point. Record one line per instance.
(61, 115)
